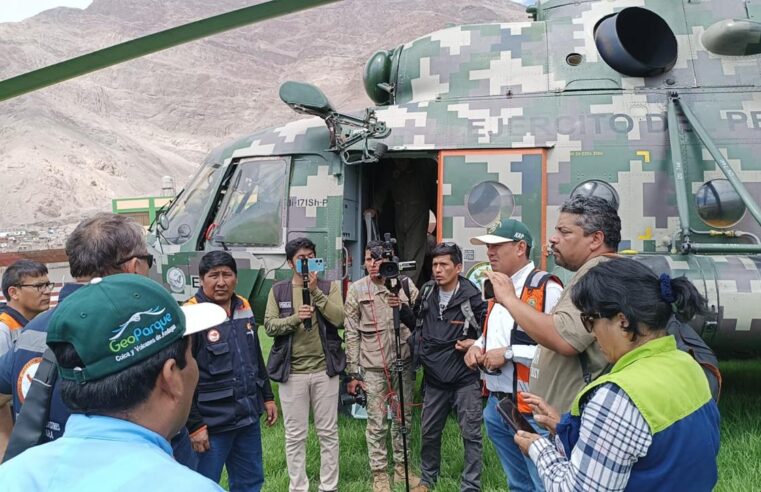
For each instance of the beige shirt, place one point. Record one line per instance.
(558, 378)
(369, 326)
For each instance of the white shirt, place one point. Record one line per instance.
(501, 324)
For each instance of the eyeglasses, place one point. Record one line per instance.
(146, 258)
(41, 286)
(588, 320)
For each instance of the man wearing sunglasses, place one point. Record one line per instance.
(587, 232)
(27, 291)
(102, 245)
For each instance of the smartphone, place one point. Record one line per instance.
(513, 417)
(313, 265)
(487, 290)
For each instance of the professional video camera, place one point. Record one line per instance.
(359, 397)
(392, 267)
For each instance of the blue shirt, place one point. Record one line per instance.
(101, 453)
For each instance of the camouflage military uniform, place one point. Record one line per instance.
(369, 332)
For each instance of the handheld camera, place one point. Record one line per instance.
(392, 267)
(303, 267)
(313, 265)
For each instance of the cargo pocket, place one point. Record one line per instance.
(217, 406)
(220, 358)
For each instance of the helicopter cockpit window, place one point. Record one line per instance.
(718, 204)
(488, 202)
(187, 212)
(253, 210)
(599, 189)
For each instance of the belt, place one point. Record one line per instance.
(500, 395)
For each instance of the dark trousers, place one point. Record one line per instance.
(241, 451)
(437, 403)
(182, 449)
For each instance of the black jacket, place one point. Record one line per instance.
(233, 383)
(444, 366)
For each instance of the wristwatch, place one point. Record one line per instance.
(509, 354)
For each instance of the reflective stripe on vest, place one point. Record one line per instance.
(533, 294)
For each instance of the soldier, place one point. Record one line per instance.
(408, 185)
(448, 312)
(504, 350)
(587, 232)
(27, 291)
(225, 430)
(370, 356)
(127, 367)
(307, 360)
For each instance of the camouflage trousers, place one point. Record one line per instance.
(377, 416)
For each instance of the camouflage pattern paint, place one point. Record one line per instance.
(508, 103)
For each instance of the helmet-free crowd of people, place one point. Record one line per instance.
(119, 388)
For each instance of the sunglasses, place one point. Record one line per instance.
(146, 258)
(588, 320)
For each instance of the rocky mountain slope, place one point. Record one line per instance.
(67, 150)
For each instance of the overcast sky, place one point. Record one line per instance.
(16, 10)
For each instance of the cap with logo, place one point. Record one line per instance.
(117, 321)
(504, 231)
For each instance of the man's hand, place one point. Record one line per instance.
(504, 290)
(494, 358)
(474, 357)
(305, 312)
(524, 440)
(544, 414)
(464, 345)
(200, 440)
(312, 285)
(394, 301)
(352, 386)
(270, 409)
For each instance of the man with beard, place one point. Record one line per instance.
(588, 231)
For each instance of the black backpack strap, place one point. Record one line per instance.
(422, 302)
(35, 412)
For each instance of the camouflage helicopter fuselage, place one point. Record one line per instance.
(533, 110)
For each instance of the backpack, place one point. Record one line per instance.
(417, 335)
(687, 340)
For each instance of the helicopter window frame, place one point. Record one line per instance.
(234, 200)
(595, 184)
(500, 205)
(716, 204)
(197, 191)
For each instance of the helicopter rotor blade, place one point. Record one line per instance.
(151, 43)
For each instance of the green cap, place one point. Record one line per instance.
(117, 321)
(504, 231)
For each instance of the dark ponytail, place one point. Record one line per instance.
(623, 285)
(688, 302)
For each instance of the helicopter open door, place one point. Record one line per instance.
(479, 187)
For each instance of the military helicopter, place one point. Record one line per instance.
(630, 100)
(654, 105)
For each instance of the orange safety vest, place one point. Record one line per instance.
(533, 294)
(12, 323)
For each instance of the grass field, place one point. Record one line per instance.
(739, 458)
